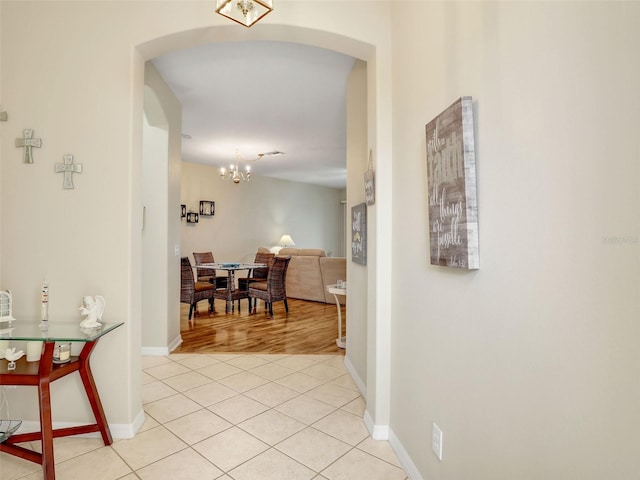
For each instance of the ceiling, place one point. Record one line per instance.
(258, 97)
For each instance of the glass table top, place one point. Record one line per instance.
(55, 332)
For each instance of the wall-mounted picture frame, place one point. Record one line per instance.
(451, 179)
(192, 217)
(359, 234)
(183, 211)
(370, 182)
(207, 208)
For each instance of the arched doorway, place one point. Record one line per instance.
(371, 365)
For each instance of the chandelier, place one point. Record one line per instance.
(244, 12)
(234, 172)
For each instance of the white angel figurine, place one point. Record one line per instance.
(11, 355)
(92, 308)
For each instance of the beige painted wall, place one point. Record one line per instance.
(79, 83)
(256, 214)
(531, 364)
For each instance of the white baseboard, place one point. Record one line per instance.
(403, 457)
(377, 432)
(118, 430)
(175, 343)
(162, 351)
(362, 388)
(155, 351)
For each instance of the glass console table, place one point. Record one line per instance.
(41, 374)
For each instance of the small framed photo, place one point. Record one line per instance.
(207, 208)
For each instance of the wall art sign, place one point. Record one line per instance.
(359, 234)
(451, 175)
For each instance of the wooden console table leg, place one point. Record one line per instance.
(92, 392)
(46, 425)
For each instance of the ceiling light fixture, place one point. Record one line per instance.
(244, 12)
(234, 172)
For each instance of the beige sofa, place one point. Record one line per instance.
(310, 270)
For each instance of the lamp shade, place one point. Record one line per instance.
(287, 241)
(245, 12)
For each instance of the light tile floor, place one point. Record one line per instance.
(234, 417)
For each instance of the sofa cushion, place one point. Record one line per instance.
(304, 280)
(313, 252)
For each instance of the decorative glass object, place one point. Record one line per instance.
(8, 428)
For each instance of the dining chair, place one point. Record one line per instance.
(256, 274)
(208, 274)
(274, 289)
(192, 292)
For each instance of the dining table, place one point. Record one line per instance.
(231, 267)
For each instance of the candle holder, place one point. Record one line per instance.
(62, 353)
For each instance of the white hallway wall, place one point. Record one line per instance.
(256, 214)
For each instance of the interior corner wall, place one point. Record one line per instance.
(529, 365)
(256, 214)
(161, 229)
(357, 142)
(154, 239)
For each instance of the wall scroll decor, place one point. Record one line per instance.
(359, 234)
(451, 173)
(207, 208)
(369, 182)
(68, 168)
(28, 142)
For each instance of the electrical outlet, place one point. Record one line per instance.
(176, 250)
(436, 441)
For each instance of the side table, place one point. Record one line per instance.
(341, 341)
(41, 374)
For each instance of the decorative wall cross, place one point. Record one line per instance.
(69, 168)
(27, 143)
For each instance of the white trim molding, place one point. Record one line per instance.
(403, 457)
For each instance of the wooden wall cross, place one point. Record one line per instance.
(69, 168)
(27, 143)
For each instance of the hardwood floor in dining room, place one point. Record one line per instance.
(309, 328)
